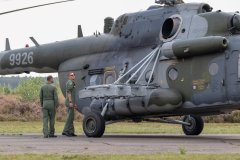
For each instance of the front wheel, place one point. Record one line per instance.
(93, 125)
(195, 127)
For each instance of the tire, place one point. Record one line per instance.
(93, 125)
(196, 126)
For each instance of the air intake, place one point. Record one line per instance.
(96, 71)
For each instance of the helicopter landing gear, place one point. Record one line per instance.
(93, 125)
(195, 127)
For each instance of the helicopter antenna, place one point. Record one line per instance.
(7, 48)
(80, 33)
(34, 7)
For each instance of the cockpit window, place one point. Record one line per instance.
(117, 22)
(125, 20)
(121, 19)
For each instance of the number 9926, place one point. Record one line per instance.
(21, 59)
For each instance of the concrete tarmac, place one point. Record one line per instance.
(119, 144)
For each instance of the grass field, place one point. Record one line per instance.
(36, 127)
(162, 156)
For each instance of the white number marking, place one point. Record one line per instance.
(30, 58)
(12, 59)
(24, 58)
(16, 59)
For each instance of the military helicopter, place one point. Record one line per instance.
(173, 59)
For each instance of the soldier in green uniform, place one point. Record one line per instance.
(49, 103)
(70, 103)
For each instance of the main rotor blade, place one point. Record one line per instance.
(34, 7)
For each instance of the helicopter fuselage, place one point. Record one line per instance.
(206, 77)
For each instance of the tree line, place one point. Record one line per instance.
(27, 87)
(14, 81)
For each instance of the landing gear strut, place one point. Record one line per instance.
(195, 127)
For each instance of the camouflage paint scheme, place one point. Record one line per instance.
(132, 37)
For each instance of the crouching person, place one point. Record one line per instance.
(49, 103)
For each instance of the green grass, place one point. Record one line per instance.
(36, 127)
(182, 149)
(162, 156)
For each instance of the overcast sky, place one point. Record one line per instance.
(59, 22)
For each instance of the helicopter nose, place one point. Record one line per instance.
(236, 22)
